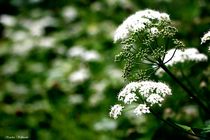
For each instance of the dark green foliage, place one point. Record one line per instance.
(39, 99)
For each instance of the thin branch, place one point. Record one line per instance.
(188, 91)
(153, 61)
(171, 56)
(166, 47)
(153, 71)
(173, 125)
(150, 60)
(143, 63)
(156, 42)
(134, 48)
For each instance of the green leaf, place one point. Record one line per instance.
(206, 129)
(186, 128)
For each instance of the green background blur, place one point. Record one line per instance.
(58, 78)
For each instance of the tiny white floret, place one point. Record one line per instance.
(180, 56)
(137, 23)
(154, 30)
(205, 37)
(141, 109)
(116, 111)
(154, 99)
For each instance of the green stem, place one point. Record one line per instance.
(173, 125)
(188, 91)
(166, 48)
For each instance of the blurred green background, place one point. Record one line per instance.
(58, 78)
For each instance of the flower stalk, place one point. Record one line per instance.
(174, 125)
(188, 91)
(149, 43)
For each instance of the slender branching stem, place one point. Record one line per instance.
(165, 50)
(174, 125)
(134, 48)
(150, 60)
(188, 91)
(153, 71)
(171, 56)
(145, 63)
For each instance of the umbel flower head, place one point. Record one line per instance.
(144, 93)
(189, 54)
(175, 56)
(145, 37)
(205, 37)
(116, 111)
(138, 22)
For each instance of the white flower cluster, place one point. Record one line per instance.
(205, 37)
(8, 20)
(148, 87)
(36, 27)
(141, 109)
(30, 32)
(128, 95)
(81, 52)
(138, 22)
(155, 99)
(154, 30)
(79, 76)
(189, 54)
(149, 92)
(116, 111)
(69, 13)
(105, 125)
(180, 56)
